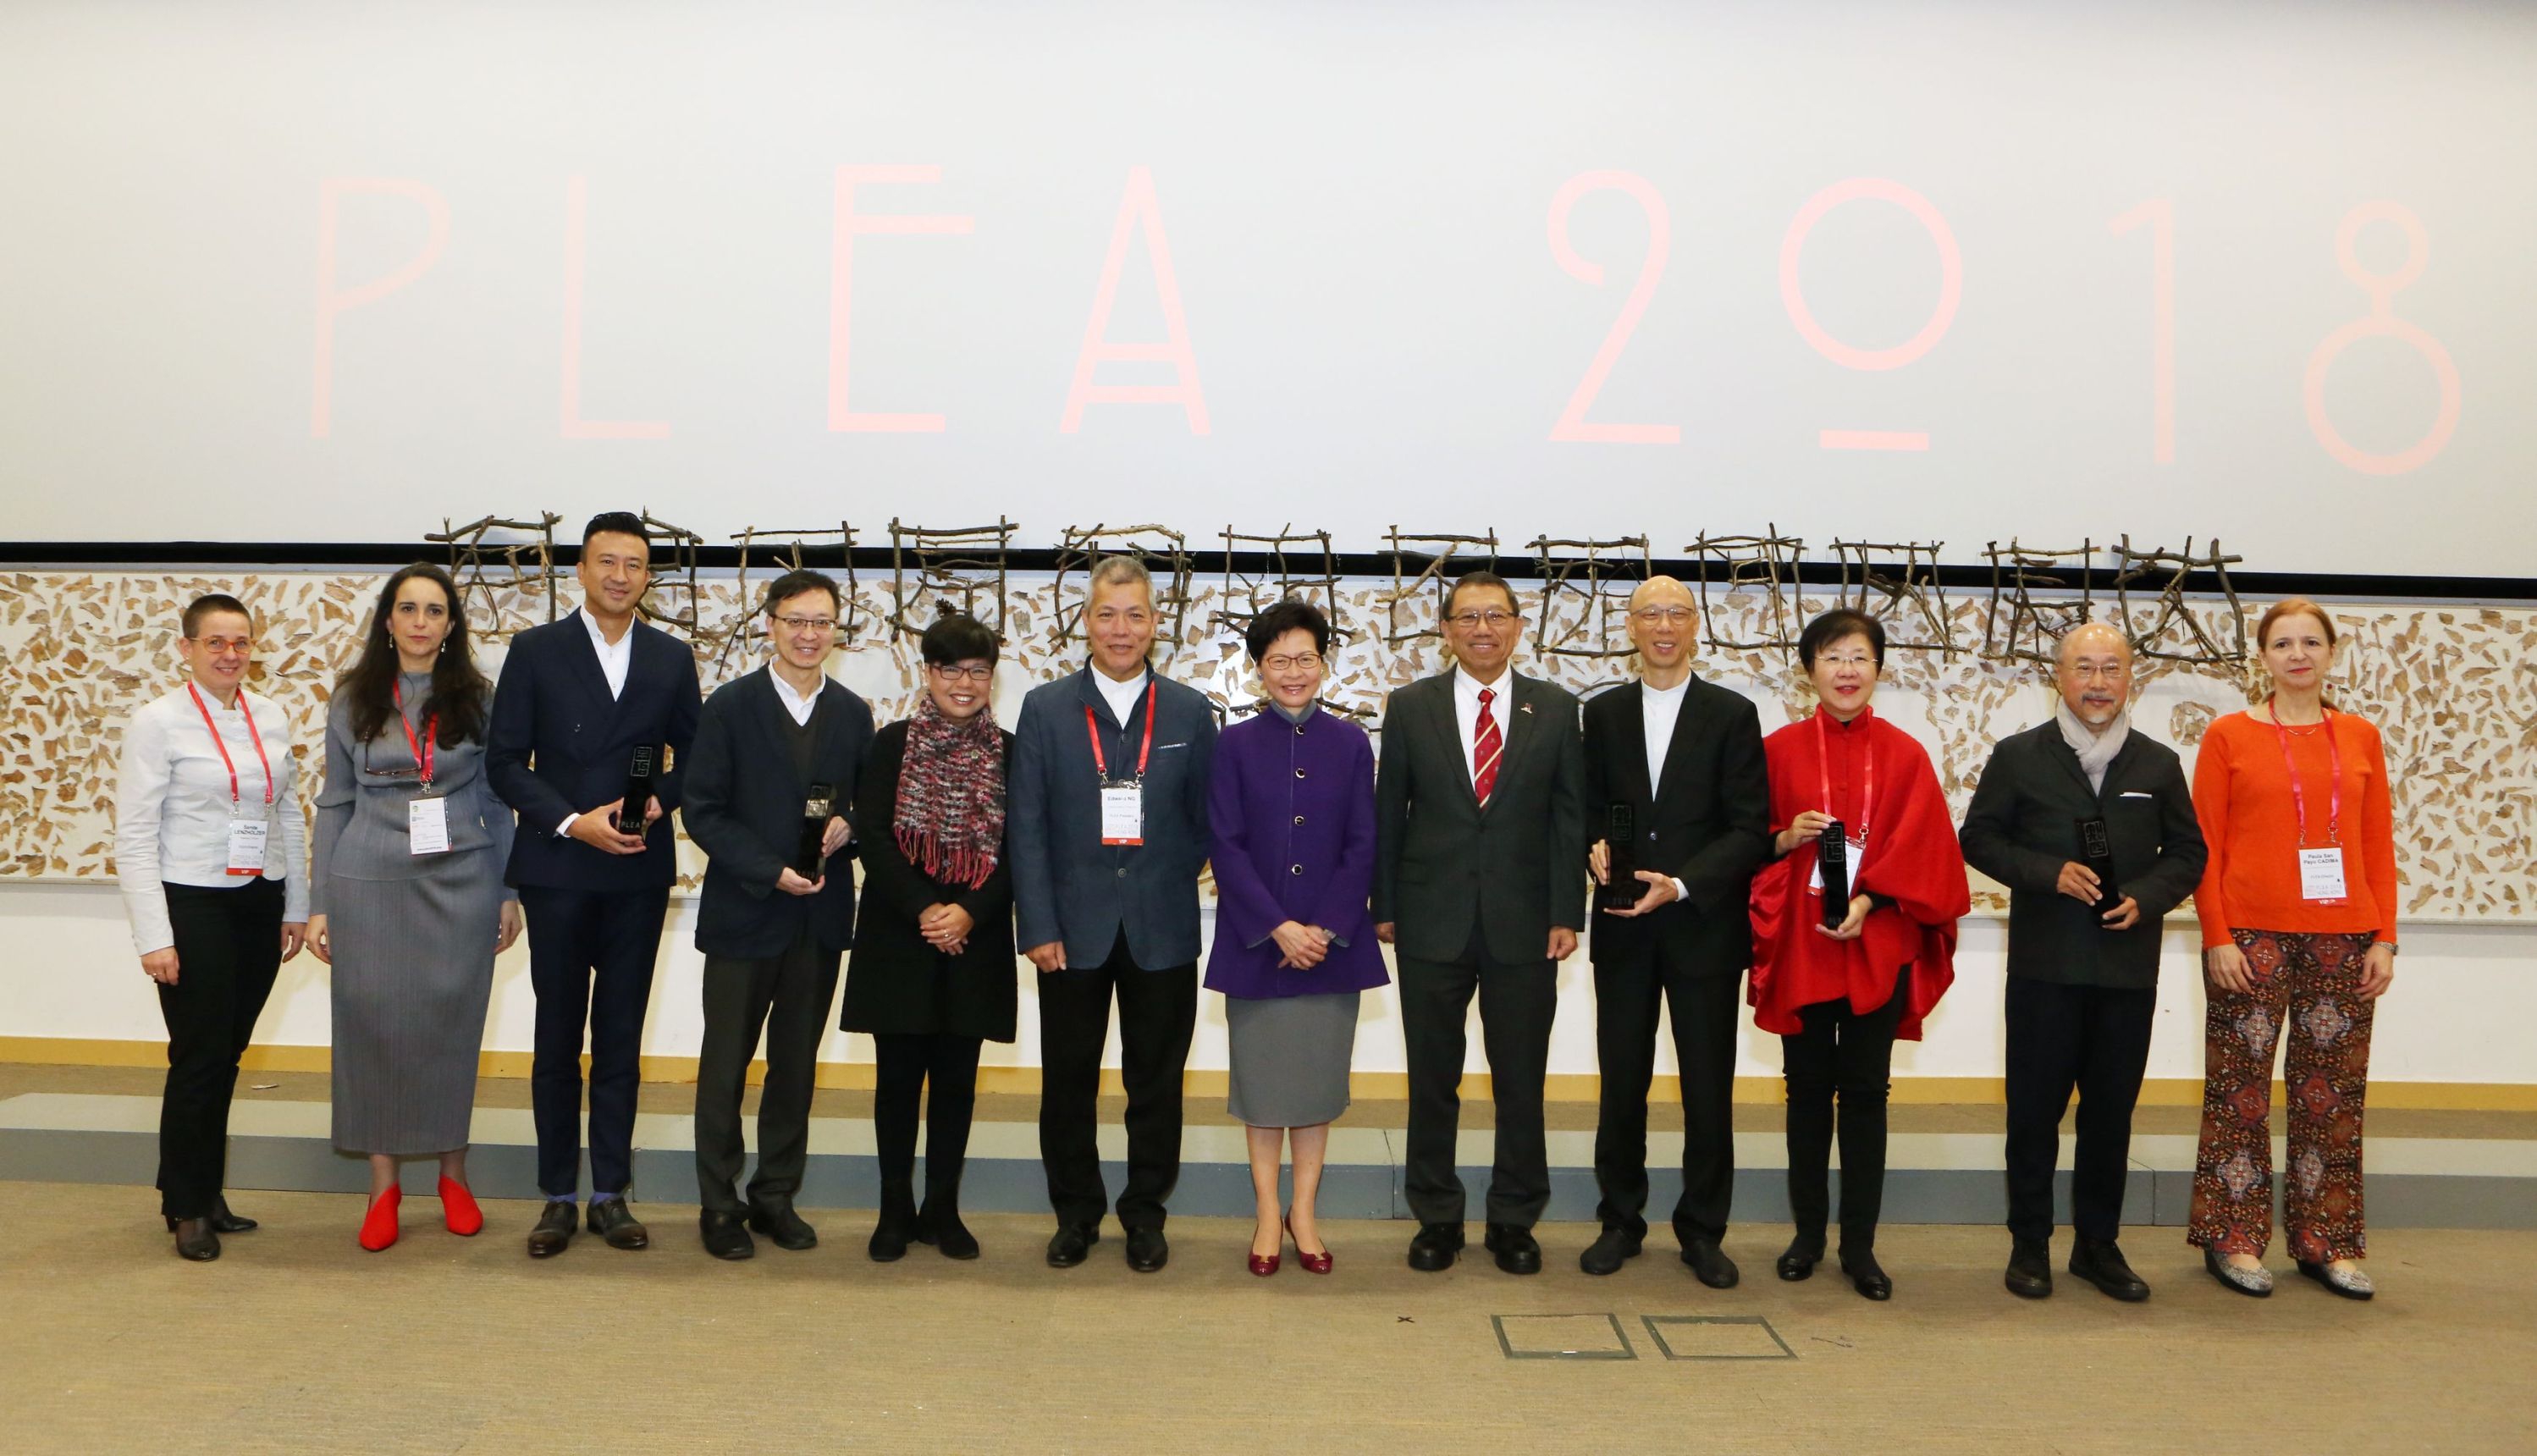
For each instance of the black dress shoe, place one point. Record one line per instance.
(2030, 1268)
(555, 1230)
(195, 1239)
(1516, 1248)
(942, 1227)
(2103, 1264)
(224, 1222)
(895, 1229)
(1610, 1249)
(1800, 1259)
(727, 1233)
(1148, 1249)
(778, 1221)
(1866, 1276)
(1435, 1246)
(1709, 1265)
(1070, 1243)
(613, 1220)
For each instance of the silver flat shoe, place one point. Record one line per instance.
(2351, 1284)
(2258, 1282)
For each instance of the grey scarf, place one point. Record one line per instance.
(2095, 750)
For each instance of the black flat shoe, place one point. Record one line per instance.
(778, 1221)
(2350, 1283)
(612, 1219)
(1435, 1246)
(2103, 1265)
(1798, 1261)
(1070, 1245)
(1517, 1250)
(224, 1222)
(555, 1230)
(725, 1234)
(1148, 1249)
(1610, 1249)
(1709, 1265)
(942, 1227)
(2030, 1270)
(1866, 1277)
(195, 1239)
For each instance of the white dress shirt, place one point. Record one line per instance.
(614, 658)
(1658, 709)
(794, 702)
(1121, 697)
(173, 809)
(1466, 712)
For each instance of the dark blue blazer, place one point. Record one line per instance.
(1069, 886)
(743, 809)
(558, 745)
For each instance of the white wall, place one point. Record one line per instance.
(2463, 999)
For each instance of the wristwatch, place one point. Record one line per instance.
(2392, 946)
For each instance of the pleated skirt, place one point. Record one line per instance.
(1289, 1057)
(412, 974)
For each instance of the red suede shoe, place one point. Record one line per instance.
(379, 1227)
(458, 1208)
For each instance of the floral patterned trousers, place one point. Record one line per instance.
(2311, 982)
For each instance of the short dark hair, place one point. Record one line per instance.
(618, 523)
(1291, 615)
(1835, 625)
(213, 601)
(792, 584)
(1482, 576)
(957, 636)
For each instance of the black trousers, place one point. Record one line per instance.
(590, 963)
(1517, 1003)
(1157, 1013)
(228, 949)
(2093, 1040)
(788, 998)
(1842, 1053)
(1706, 1018)
(905, 1063)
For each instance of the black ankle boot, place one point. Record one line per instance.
(898, 1225)
(939, 1223)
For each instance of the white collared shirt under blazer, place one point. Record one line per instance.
(173, 809)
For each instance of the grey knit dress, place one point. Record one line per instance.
(411, 934)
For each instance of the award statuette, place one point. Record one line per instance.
(638, 793)
(1624, 886)
(2097, 852)
(809, 860)
(1832, 862)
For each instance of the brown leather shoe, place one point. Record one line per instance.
(612, 1219)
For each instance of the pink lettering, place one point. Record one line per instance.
(2383, 322)
(1136, 207)
(334, 303)
(849, 225)
(576, 202)
(2160, 214)
(1573, 424)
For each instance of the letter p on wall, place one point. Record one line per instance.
(334, 299)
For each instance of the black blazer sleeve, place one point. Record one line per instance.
(1719, 876)
(1390, 810)
(1990, 836)
(510, 738)
(2181, 852)
(1567, 857)
(710, 776)
(686, 707)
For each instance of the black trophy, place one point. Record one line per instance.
(1832, 856)
(808, 859)
(638, 793)
(1621, 835)
(2097, 852)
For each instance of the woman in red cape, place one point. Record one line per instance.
(1839, 995)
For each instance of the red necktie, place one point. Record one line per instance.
(1486, 745)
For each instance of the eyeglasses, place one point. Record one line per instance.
(226, 645)
(2108, 671)
(1845, 662)
(809, 624)
(1300, 662)
(1663, 616)
(1492, 618)
(964, 673)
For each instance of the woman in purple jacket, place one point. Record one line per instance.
(1292, 810)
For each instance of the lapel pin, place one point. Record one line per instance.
(1524, 707)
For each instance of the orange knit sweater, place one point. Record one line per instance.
(2241, 793)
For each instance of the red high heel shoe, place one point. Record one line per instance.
(1265, 1265)
(1313, 1263)
(458, 1208)
(379, 1226)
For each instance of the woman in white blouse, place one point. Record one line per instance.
(207, 835)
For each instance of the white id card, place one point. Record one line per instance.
(1123, 814)
(2321, 873)
(246, 846)
(1815, 874)
(427, 825)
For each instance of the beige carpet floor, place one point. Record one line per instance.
(299, 1341)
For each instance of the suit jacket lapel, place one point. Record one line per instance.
(2058, 750)
(1686, 726)
(1448, 722)
(1634, 727)
(1519, 728)
(585, 657)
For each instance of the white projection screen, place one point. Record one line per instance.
(304, 272)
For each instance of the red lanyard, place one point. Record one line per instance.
(1101, 764)
(430, 730)
(2299, 795)
(1823, 776)
(247, 709)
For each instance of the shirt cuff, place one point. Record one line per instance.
(563, 831)
(1679, 893)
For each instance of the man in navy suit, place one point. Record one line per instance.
(578, 700)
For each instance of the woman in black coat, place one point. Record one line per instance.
(932, 972)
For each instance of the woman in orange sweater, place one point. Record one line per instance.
(2299, 928)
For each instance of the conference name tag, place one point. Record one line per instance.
(1858, 854)
(246, 846)
(427, 825)
(2321, 873)
(1123, 814)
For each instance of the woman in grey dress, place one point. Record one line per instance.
(409, 904)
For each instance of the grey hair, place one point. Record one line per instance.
(1120, 570)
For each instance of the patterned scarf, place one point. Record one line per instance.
(951, 819)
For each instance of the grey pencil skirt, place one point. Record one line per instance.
(1290, 1057)
(413, 973)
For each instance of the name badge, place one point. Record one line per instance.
(2321, 873)
(1858, 851)
(246, 846)
(427, 825)
(1123, 814)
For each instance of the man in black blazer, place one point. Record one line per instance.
(1106, 816)
(773, 747)
(580, 700)
(1479, 883)
(2082, 973)
(1680, 760)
